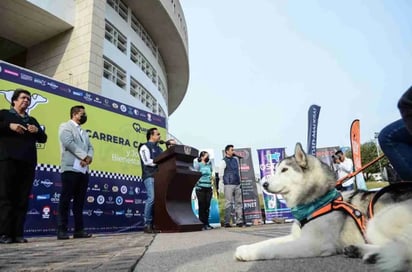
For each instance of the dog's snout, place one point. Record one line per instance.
(265, 185)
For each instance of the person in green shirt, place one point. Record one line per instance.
(204, 188)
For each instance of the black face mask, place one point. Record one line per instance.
(83, 119)
(207, 159)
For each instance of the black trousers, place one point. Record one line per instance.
(16, 182)
(204, 196)
(74, 186)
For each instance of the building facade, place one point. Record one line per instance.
(135, 52)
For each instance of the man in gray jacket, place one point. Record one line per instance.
(76, 156)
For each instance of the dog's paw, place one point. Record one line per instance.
(371, 258)
(352, 252)
(243, 253)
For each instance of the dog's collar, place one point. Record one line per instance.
(302, 212)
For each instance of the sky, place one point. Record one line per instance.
(255, 69)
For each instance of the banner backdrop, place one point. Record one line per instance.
(251, 207)
(275, 206)
(325, 154)
(116, 194)
(313, 116)
(356, 153)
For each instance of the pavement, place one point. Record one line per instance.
(210, 250)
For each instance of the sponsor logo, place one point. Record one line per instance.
(100, 199)
(115, 106)
(36, 182)
(98, 212)
(123, 108)
(106, 102)
(90, 199)
(119, 212)
(115, 189)
(55, 198)
(97, 100)
(138, 201)
(96, 188)
(137, 213)
(110, 200)
(149, 117)
(33, 212)
(40, 81)
(78, 93)
(111, 212)
(119, 200)
(46, 183)
(129, 213)
(138, 128)
(123, 189)
(52, 85)
(129, 201)
(131, 192)
(136, 112)
(26, 77)
(88, 97)
(7, 71)
(1, 69)
(43, 197)
(65, 89)
(105, 187)
(137, 190)
(88, 212)
(46, 212)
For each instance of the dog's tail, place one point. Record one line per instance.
(396, 255)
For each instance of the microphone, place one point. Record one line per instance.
(236, 155)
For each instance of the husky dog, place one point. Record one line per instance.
(303, 180)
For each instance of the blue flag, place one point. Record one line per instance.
(313, 116)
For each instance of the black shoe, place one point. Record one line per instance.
(81, 234)
(148, 229)
(4, 239)
(206, 227)
(239, 225)
(210, 227)
(19, 240)
(62, 235)
(227, 225)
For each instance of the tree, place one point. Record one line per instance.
(369, 153)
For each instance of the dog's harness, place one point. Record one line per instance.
(339, 204)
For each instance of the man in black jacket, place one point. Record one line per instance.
(396, 139)
(19, 133)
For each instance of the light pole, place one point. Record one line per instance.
(377, 150)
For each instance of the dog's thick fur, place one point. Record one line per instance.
(303, 178)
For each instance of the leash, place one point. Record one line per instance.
(340, 181)
(398, 188)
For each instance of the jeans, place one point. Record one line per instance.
(396, 144)
(148, 207)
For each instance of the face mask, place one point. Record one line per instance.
(207, 159)
(83, 119)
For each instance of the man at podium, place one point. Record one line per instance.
(148, 151)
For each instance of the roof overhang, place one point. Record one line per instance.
(171, 45)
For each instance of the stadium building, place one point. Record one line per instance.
(135, 52)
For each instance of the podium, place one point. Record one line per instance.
(174, 183)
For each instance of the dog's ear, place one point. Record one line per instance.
(300, 156)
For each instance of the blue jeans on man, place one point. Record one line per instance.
(148, 207)
(396, 142)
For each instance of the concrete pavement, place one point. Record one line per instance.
(190, 251)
